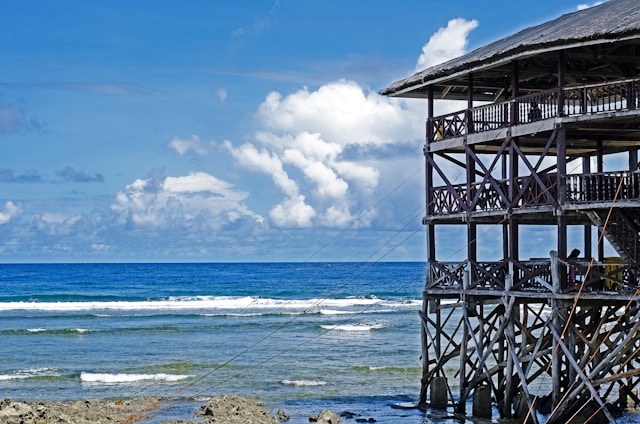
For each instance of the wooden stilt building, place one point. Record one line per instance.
(548, 138)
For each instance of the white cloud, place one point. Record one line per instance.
(10, 211)
(182, 146)
(292, 212)
(343, 113)
(586, 6)
(309, 142)
(264, 161)
(326, 181)
(198, 201)
(308, 132)
(200, 182)
(447, 43)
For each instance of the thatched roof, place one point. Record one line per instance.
(589, 30)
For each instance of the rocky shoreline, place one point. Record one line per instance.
(219, 409)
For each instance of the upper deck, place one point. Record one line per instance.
(605, 111)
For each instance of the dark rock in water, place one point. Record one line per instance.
(366, 420)
(326, 417)
(282, 416)
(349, 415)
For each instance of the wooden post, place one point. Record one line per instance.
(599, 170)
(513, 184)
(431, 247)
(472, 234)
(633, 159)
(588, 253)
(562, 66)
(515, 87)
(430, 114)
(561, 148)
(469, 114)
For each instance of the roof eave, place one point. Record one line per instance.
(415, 90)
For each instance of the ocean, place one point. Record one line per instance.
(299, 336)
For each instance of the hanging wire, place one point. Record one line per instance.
(331, 241)
(154, 406)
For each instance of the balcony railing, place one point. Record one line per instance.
(580, 100)
(603, 187)
(535, 276)
(529, 192)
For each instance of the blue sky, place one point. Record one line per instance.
(223, 131)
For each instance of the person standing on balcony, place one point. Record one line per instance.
(573, 256)
(535, 114)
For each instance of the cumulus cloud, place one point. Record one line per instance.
(198, 201)
(182, 146)
(307, 134)
(264, 161)
(447, 43)
(342, 112)
(305, 138)
(9, 211)
(293, 212)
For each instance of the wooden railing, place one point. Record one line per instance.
(580, 100)
(580, 189)
(613, 275)
(603, 187)
(535, 276)
(607, 97)
(532, 276)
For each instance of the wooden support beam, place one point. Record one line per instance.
(515, 88)
(469, 114)
(562, 69)
(633, 159)
(600, 169)
(585, 380)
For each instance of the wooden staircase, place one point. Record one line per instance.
(621, 227)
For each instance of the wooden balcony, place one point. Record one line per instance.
(617, 96)
(583, 191)
(534, 278)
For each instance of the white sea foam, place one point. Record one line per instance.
(335, 312)
(353, 327)
(355, 311)
(302, 383)
(71, 330)
(26, 373)
(87, 377)
(215, 303)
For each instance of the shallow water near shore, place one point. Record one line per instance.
(302, 337)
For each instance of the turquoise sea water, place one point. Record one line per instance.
(302, 337)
